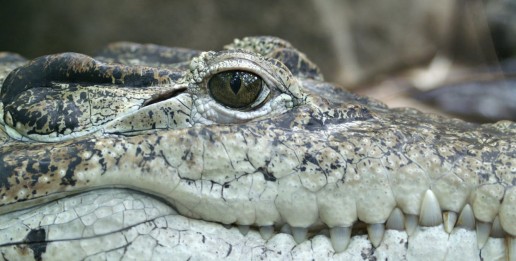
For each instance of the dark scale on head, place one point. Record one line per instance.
(117, 73)
(35, 239)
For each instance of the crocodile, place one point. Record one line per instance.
(150, 152)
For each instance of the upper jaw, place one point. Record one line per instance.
(316, 165)
(332, 162)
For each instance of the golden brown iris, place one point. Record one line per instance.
(235, 89)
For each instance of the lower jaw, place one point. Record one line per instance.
(149, 229)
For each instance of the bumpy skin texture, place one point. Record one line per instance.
(309, 155)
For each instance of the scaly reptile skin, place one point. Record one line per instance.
(140, 161)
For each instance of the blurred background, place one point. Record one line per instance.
(390, 49)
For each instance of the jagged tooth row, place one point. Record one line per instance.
(430, 215)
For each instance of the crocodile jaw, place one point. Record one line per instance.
(301, 191)
(389, 164)
(114, 224)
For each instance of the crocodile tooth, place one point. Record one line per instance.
(496, 229)
(375, 232)
(511, 248)
(410, 224)
(483, 230)
(340, 237)
(466, 218)
(285, 229)
(507, 213)
(299, 234)
(449, 218)
(244, 229)
(266, 232)
(396, 220)
(430, 215)
(227, 226)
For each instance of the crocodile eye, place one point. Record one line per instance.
(236, 89)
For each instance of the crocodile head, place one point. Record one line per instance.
(155, 153)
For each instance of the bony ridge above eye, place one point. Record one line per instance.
(236, 89)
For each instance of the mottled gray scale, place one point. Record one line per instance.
(302, 154)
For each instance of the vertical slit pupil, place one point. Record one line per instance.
(235, 82)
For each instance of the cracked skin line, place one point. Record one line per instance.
(305, 171)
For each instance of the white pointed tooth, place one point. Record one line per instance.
(466, 218)
(227, 226)
(449, 218)
(340, 237)
(266, 232)
(299, 234)
(285, 229)
(396, 220)
(244, 229)
(410, 224)
(496, 229)
(376, 232)
(483, 230)
(511, 248)
(430, 215)
(507, 213)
